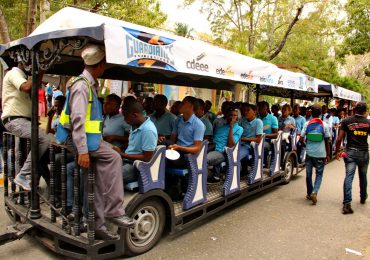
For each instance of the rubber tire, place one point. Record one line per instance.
(133, 250)
(290, 161)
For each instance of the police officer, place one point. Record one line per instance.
(82, 114)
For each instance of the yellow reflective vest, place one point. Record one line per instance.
(93, 122)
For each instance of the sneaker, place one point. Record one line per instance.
(347, 209)
(314, 198)
(308, 197)
(22, 182)
(212, 180)
(363, 200)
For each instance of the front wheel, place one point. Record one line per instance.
(149, 217)
(288, 170)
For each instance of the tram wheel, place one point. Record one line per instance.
(288, 170)
(149, 217)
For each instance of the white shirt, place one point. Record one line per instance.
(15, 101)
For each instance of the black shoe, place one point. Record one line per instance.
(347, 209)
(308, 197)
(363, 200)
(122, 221)
(212, 180)
(105, 235)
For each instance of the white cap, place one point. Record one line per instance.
(93, 54)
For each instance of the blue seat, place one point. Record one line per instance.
(293, 140)
(197, 177)
(276, 154)
(232, 176)
(256, 172)
(152, 173)
(132, 185)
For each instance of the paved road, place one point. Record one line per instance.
(277, 224)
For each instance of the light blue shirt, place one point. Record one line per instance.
(335, 120)
(299, 122)
(49, 90)
(221, 136)
(208, 125)
(188, 131)
(286, 121)
(251, 128)
(143, 139)
(316, 149)
(269, 122)
(115, 125)
(219, 121)
(57, 93)
(211, 116)
(164, 124)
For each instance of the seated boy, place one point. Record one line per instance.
(252, 129)
(200, 114)
(270, 123)
(188, 132)
(163, 120)
(142, 141)
(226, 135)
(115, 129)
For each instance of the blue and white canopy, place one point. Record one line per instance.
(138, 53)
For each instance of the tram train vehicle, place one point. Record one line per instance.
(55, 46)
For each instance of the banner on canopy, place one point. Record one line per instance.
(343, 93)
(138, 48)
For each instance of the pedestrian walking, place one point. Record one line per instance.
(81, 121)
(317, 135)
(356, 128)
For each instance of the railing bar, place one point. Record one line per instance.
(12, 163)
(76, 190)
(5, 163)
(28, 149)
(90, 206)
(63, 183)
(52, 184)
(21, 161)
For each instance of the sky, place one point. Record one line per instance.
(188, 15)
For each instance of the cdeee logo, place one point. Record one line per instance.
(195, 64)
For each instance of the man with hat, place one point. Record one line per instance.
(81, 119)
(357, 129)
(16, 117)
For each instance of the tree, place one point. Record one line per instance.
(31, 16)
(358, 27)
(183, 30)
(4, 31)
(242, 25)
(20, 17)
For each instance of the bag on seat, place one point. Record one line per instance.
(315, 130)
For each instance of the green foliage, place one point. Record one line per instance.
(142, 12)
(15, 12)
(358, 27)
(183, 30)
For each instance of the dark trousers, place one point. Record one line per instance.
(361, 160)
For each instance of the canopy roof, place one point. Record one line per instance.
(139, 53)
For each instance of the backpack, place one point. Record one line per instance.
(315, 130)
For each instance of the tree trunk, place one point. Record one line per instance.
(44, 9)
(251, 28)
(283, 41)
(4, 31)
(31, 16)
